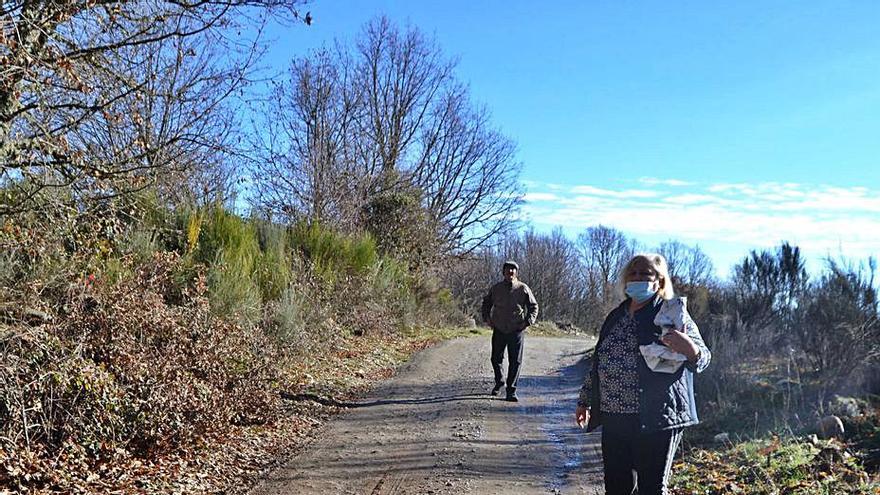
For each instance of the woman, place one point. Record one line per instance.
(642, 412)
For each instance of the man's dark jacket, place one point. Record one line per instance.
(510, 306)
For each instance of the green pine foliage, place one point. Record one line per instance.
(332, 254)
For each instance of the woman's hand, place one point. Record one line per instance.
(681, 343)
(582, 416)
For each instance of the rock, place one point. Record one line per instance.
(830, 426)
(722, 437)
(470, 323)
(847, 407)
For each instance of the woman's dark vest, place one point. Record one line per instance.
(666, 400)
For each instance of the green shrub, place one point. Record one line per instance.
(299, 319)
(272, 274)
(224, 233)
(272, 270)
(232, 289)
(228, 246)
(332, 254)
(389, 280)
(37, 258)
(402, 226)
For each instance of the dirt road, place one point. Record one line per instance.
(434, 428)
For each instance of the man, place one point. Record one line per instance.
(508, 308)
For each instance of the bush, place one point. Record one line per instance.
(838, 329)
(228, 246)
(127, 374)
(332, 254)
(272, 270)
(300, 319)
(402, 226)
(145, 351)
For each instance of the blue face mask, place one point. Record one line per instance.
(640, 291)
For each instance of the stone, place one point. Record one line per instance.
(722, 437)
(830, 427)
(847, 407)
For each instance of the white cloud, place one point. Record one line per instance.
(653, 181)
(533, 197)
(631, 193)
(820, 219)
(689, 199)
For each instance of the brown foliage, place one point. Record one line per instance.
(98, 98)
(125, 375)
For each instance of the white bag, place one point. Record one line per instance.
(660, 358)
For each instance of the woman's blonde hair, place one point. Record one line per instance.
(658, 263)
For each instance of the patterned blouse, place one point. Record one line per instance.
(618, 366)
(618, 369)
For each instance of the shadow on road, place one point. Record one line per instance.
(380, 402)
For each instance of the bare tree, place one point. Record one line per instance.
(470, 277)
(183, 113)
(402, 74)
(372, 128)
(676, 254)
(304, 165)
(467, 172)
(688, 265)
(604, 251)
(60, 72)
(549, 266)
(422, 127)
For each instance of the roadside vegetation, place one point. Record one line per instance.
(790, 402)
(161, 332)
(152, 352)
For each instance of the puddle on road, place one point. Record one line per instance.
(575, 451)
(567, 450)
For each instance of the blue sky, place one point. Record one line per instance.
(731, 125)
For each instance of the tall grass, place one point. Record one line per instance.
(299, 320)
(305, 281)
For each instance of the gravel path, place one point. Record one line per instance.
(433, 428)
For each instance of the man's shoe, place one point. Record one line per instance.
(497, 388)
(511, 397)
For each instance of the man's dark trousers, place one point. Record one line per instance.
(513, 342)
